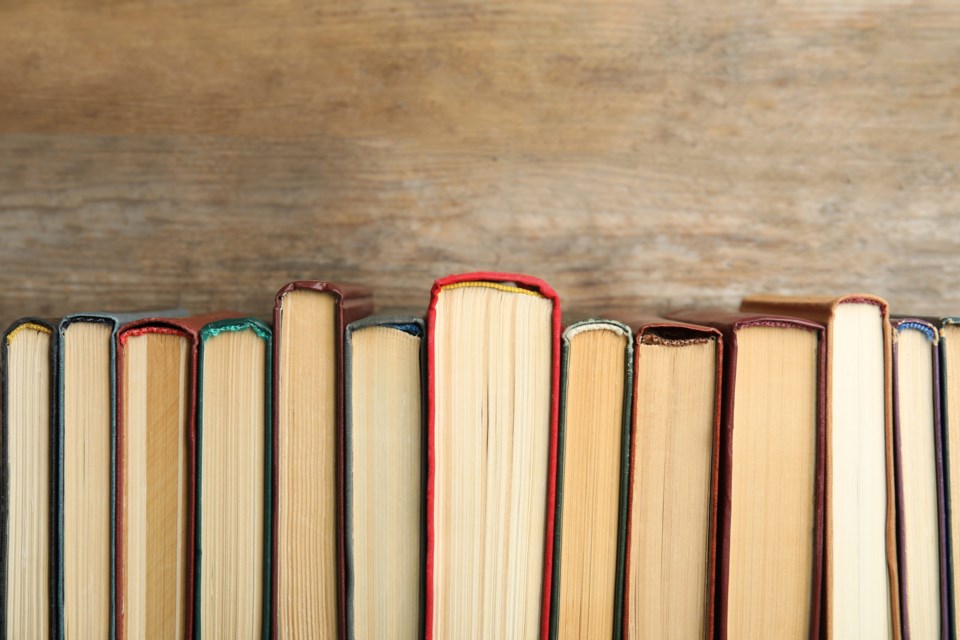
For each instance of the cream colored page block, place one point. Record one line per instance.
(858, 486)
(28, 454)
(387, 532)
(669, 538)
(232, 485)
(591, 484)
(86, 480)
(306, 463)
(167, 518)
(492, 418)
(772, 497)
(951, 364)
(156, 403)
(135, 425)
(919, 482)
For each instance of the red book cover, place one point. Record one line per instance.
(541, 287)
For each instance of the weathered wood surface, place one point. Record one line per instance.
(635, 154)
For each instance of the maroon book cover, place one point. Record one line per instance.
(684, 332)
(352, 303)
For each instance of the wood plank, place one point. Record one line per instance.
(635, 154)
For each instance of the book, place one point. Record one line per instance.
(86, 451)
(308, 580)
(384, 474)
(860, 588)
(949, 355)
(673, 481)
(157, 364)
(27, 480)
(234, 456)
(918, 471)
(493, 352)
(770, 511)
(592, 458)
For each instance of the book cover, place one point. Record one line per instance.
(351, 302)
(414, 326)
(617, 569)
(914, 487)
(675, 333)
(48, 327)
(949, 355)
(209, 332)
(544, 290)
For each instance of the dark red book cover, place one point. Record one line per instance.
(684, 332)
(352, 303)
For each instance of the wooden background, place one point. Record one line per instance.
(636, 154)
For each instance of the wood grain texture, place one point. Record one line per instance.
(634, 154)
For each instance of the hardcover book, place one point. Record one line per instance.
(918, 470)
(27, 473)
(673, 481)
(384, 456)
(592, 458)
(493, 351)
(308, 555)
(949, 353)
(770, 511)
(861, 576)
(234, 456)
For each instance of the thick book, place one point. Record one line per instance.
(493, 352)
(771, 492)
(860, 571)
(918, 471)
(949, 352)
(592, 456)
(27, 480)
(384, 473)
(232, 501)
(157, 365)
(670, 563)
(86, 473)
(308, 580)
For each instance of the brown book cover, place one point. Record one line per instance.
(188, 327)
(730, 324)
(822, 309)
(655, 330)
(352, 303)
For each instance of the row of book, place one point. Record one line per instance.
(490, 470)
